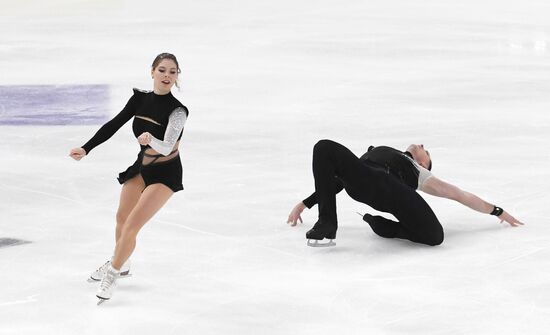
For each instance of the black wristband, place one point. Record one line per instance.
(497, 211)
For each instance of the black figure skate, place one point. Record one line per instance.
(319, 232)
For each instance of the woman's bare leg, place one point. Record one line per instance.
(151, 200)
(129, 196)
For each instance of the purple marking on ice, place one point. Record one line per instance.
(54, 104)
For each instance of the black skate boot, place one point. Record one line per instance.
(368, 218)
(381, 226)
(319, 232)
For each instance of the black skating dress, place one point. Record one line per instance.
(163, 116)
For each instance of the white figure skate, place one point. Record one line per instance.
(98, 274)
(108, 284)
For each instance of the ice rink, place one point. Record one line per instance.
(264, 81)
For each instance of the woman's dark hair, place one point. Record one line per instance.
(165, 55)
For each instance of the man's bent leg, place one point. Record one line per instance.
(330, 160)
(417, 219)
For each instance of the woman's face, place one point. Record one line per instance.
(164, 76)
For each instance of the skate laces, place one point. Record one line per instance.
(104, 267)
(108, 279)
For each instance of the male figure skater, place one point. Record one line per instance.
(385, 179)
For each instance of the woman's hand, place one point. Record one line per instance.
(295, 214)
(77, 153)
(145, 138)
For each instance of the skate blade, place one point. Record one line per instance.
(317, 244)
(92, 280)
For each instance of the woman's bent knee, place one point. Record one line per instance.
(121, 217)
(129, 231)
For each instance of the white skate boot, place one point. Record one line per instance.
(98, 274)
(108, 284)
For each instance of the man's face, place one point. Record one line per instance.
(420, 155)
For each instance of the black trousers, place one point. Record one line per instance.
(371, 185)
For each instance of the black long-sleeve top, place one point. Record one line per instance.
(145, 104)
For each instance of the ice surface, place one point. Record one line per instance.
(264, 80)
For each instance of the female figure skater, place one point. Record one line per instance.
(158, 120)
(385, 179)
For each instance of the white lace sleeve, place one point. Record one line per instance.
(176, 121)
